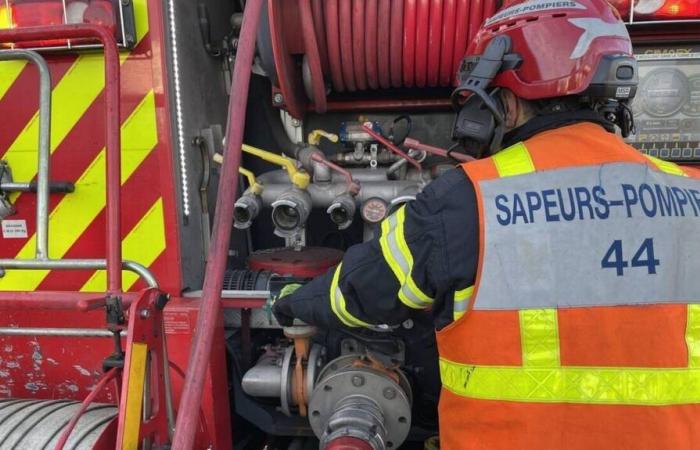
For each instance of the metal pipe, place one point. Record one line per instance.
(62, 332)
(56, 300)
(388, 144)
(78, 264)
(42, 197)
(209, 310)
(112, 128)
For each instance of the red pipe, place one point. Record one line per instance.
(209, 308)
(313, 58)
(371, 44)
(396, 44)
(435, 42)
(55, 301)
(422, 36)
(351, 186)
(106, 378)
(333, 38)
(388, 144)
(383, 38)
(345, 18)
(112, 128)
(409, 42)
(358, 43)
(449, 16)
(437, 151)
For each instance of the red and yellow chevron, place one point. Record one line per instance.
(77, 220)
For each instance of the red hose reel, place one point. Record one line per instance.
(359, 45)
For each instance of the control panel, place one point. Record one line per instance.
(667, 105)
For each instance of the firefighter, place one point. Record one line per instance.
(561, 269)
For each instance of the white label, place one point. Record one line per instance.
(14, 229)
(623, 92)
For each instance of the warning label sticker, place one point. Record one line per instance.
(177, 322)
(14, 229)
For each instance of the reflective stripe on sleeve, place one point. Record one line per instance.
(338, 304)
(461, 301)
(514, 160)
(399, 258)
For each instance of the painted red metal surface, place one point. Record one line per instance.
(213, 425)
(308, 262)
(209, 319)
(112, 132)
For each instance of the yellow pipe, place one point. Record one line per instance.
(299, 178)
(255, 187)
(316, 135)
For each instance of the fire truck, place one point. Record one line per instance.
(166, 167)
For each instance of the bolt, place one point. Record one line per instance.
(296, 122)
(144, 314)
(277, 99)
(389, 393)
(358, 380)
(408, 324)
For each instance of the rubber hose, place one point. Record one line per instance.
(371, 44)
(358, 43)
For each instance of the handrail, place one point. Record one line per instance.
(42, 189)
(113, 262)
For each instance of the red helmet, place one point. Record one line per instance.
(561, 44)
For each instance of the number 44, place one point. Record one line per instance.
(644, 257)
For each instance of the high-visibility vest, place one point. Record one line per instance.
(582, 330)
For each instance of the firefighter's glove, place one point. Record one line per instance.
(283, 306)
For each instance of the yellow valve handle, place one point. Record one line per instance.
(255, 187)
(299, 178)
(316, 135)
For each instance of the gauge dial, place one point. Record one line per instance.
(692, 106)
(663, 92)
(374, 210)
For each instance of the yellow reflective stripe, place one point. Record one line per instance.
(143, 244)
(692, 335)
(338, 303)
(460, 301)
(667, 166)
(134, 398)
(399, 258)
(515, 160)
(586, 385)
(70, 99)
(9, 72)
(539, 335)
(74, 213)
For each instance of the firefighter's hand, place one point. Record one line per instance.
(283, 307)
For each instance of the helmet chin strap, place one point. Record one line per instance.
(480, 121)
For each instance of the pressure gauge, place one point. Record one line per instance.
(374, 210)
